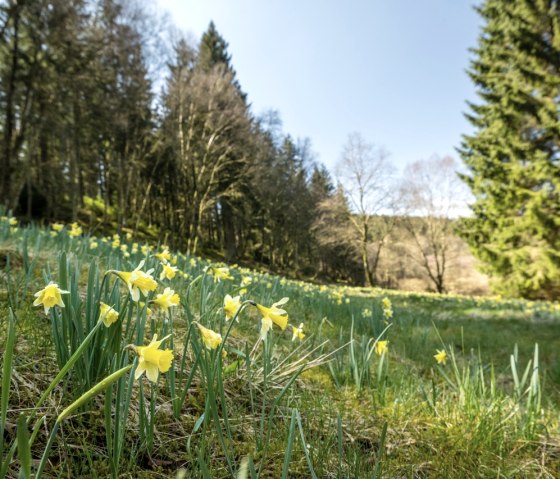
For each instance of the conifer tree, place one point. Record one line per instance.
(513, 155)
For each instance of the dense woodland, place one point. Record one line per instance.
(82, 117)
(110, 117)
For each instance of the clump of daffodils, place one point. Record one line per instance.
(387, 308)
(50, 296)
(75, 230)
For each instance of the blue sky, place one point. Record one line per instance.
(392, 70)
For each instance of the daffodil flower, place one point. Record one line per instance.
(107, 314)
(231, 306)
(167, 299)
(297, 333)
(165, 255)
(387, 308)
(50, 296)
(210, 338)
(381, 347)
(57, 226)
(220, 273)
(153, 360)
(137, 281)
(441, 356)
(273, 315)
(168, 271)
(75, 230)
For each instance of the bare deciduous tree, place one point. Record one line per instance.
(364, 173)
(432, 195)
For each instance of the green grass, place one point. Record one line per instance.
(328, 406)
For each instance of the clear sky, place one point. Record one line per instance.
(393, 70)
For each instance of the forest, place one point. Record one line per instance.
(97, 128)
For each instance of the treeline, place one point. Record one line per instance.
(97, 128)
(87, 109)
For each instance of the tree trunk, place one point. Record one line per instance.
(6, 166)
(230, 246)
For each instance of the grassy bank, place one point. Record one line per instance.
(330, 398)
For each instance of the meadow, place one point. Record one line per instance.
(124, 359)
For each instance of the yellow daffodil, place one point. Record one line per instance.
(137, 281)
(210, 338)
(387, 308)
(381, 347)
(93, 244)
(13, 221)
(231, 306)
(75, 230)
(153, 360)
(273, 315)
(50, 297)
(192, 262)
(167, 299)
(298, 332)
(165, 255)
(441, 356)
(107, 314)
(220, 273)
(145, 249)
(57, 226)
(168, 271)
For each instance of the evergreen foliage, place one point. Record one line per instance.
(513, 156)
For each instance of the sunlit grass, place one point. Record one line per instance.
(353, 392)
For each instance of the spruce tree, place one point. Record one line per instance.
(513, 156)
